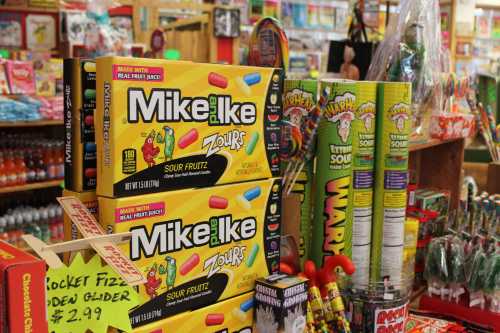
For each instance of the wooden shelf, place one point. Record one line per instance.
(419, 145)
(32, 186)
(31, 123)
(438, 164)
(30, 9)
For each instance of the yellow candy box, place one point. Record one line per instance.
(163, 125)
(197, 246)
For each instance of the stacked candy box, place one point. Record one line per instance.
(166, 125)
(197, 247)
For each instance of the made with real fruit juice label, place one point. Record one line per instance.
(163, 125)
(197, 246)
(332, 226)
(391, 179)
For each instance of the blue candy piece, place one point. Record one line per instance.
(246, 305)
(252, 78)
(90, 147)
(252, 193)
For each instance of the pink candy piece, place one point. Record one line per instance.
(90, 172)
(217, 80)
(188, 265)
(217, 202)
(188, 138)
(89, 120)
(213, 319)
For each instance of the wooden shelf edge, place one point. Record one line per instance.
(32, 186)
(415, 146)
(31, 123)
(30, 9)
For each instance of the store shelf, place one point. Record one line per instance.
(438, 164)
(32, 186)
(460, 311)
(326, 33)
(30, 9)
(415, 146)
(31, 123)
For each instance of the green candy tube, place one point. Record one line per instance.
(332, 226)
(299, 98)
(363, 157)
(393, 123)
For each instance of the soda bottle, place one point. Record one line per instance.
(54, 232)
(44, 224)
(19, 231)
(11, 229)
(20, 167)
(60, 223)
(3, 229)
(10, 169)
(60, 161)
(35, 225)
(30, 166)
(48, 158)
(3, 174)
(40, 167)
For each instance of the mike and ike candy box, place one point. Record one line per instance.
(79, 104)
(163, 125)
(234, 315)
(197, 246)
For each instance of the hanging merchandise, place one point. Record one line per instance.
(268, 46)
(11, 30)
(332, 226)
(226, 22)
(363, 158)
(40, 32)
(391, 178)
(299, 101)
(410, 52)
(101, 38)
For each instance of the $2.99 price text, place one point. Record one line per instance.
(74, 315)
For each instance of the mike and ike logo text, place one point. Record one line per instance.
(172, 236)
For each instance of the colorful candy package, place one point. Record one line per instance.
(164, 125)
(198, 246)
(332, 227)
(21, 76)
(363, 159)
(299, 99)
(391, 180)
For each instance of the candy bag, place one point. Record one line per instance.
(492, 280)
(436, 268)
(411, 52)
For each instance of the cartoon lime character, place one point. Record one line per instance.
(170, 270)
(169, 140)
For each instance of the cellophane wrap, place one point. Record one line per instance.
(411, 52)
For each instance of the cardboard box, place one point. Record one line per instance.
(79, 104)
(232, 315)
(437, 201)
(22, 292)
(284, 299)
(192, 253)
(89, 199)
(164, 125)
